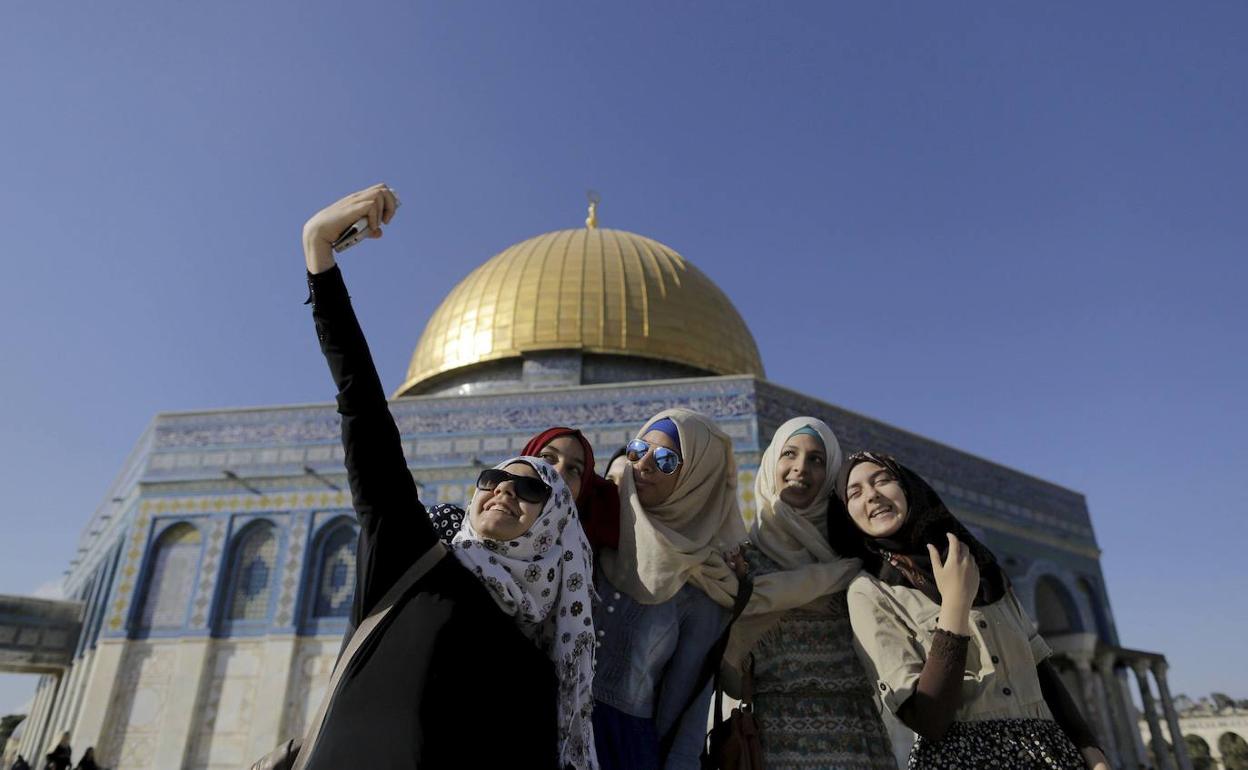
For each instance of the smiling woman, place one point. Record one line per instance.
(507, 501)
(939, 628)
(571, 455)
(875, 500)
(523, 541)
(388, 702)
(666, 590)
(794, 640)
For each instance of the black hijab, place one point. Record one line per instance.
(902, 558)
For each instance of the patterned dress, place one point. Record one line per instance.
(812, 700)
(1020, 744)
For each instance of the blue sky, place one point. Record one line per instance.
(1016, 228)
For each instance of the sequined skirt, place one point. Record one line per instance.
(1017, 744)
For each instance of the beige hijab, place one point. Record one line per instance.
(795, 539)
(681, 540)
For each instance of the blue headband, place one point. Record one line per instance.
(807, 430)
(669, 429)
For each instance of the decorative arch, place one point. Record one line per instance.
(1198, 750)
(249, 592)
(331, 575)
(170, 582)
(1056, 611)
(1164, 745)
(1104, 629)
(1234, 751)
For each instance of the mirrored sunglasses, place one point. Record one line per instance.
(666, 460)
(527, 488)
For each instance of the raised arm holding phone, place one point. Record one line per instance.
(437, 671)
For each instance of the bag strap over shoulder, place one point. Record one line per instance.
(747, 681)
(401, 586)
(710, 666)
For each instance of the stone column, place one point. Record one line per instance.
(45, 716)
(101, 679)
(79, 692)
(64, 701)
(1118, 717)
(1097, 708)
(1150, 713)
(31, 733)
(1172, 717)
(270, 696)
(179, 717)
(1135, 715)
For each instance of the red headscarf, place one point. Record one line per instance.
(598, 502)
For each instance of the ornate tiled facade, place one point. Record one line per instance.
(140, 696)
(227, 473)
(313, 663)
(292, 571)
(226, 709)
(209, 571)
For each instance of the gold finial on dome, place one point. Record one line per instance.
(591, 221)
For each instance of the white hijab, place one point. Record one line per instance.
(682, 539)
(795, 539)
(544, 580)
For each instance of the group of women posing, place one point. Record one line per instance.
(564, 619)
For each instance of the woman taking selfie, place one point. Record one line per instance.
(471, 661)
(952, 652)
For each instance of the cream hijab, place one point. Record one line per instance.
(795, 539)
(681, 540)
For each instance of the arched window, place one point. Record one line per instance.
(335, 581)
(1092, 596)
(1198, 750)
(329, 581)
(1234, 750)
(1056, 612)
(253, 573)
(171, 578)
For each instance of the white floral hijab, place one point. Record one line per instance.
(543, 579)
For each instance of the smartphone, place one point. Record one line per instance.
(352, 235)
(358, 230)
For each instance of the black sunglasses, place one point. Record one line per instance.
(527, 488)
(666, 460)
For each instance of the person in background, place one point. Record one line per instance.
(665, 593)
(941, 632)
(61, 756)
(616, 465)
(811, 697)
(88, 760)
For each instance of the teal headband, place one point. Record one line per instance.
(806, 430)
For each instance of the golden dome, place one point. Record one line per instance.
(589, 290)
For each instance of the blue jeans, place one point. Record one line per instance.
(648, 668)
